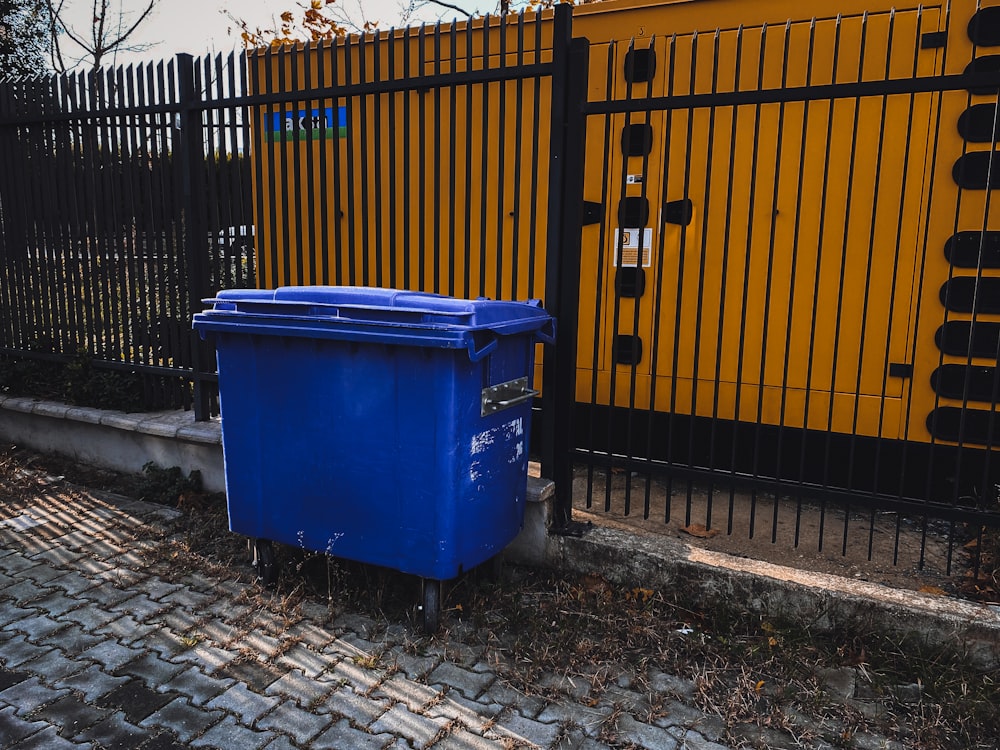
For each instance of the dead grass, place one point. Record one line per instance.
(638, 650)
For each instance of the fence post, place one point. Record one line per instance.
(562, 265)
(192, 162)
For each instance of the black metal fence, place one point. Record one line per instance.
(742, 239)
(125, 197)
(768, 287)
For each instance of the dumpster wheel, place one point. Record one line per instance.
(430, 610)
(263, 561)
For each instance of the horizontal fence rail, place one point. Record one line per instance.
(763, 281)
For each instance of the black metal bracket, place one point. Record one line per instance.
(593, 212)
(900, 370)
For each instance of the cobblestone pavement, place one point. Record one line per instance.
(106, 644)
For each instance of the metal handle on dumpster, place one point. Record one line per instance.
(504, 396)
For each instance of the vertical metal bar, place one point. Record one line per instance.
(421, 284)
(843, 266)
(407, 136)
(469, 96)
(378, 168)
(765, 327)
(501, 148)
(875, 202)
(339, 52)
(713, 431)
(562, 274)
(437, 211)
(747, 265)
(599, 311)
(452, 152)
(327, 213)
(701, 277)
(792, 283)
(294, 222)
(817, 281)
(314, 131)
(616, 312)
(363, 211)
(192, 155)
(518, 119)
(536, 127)
(484, 255)
(391, 131)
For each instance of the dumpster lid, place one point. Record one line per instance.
(367, 313)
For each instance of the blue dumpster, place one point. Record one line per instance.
(376, 425)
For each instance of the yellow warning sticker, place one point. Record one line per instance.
(626, 248)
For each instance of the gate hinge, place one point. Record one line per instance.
(593, 212)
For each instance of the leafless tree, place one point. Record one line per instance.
(110, 31)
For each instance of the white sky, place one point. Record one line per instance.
(199, 26)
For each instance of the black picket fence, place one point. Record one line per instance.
(709, 365)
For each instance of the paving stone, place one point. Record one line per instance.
(695, 741)
(284, 743)
(196, 686)
(299, 688)
(206, 657)
(115, 733)
(141, 607)
(71, 715)
(92, 682)
(342, 735)
(166, 741)
(400, 721)
(40, 574)
(58, 557)
(150, 668)
(193, 600)
(462, 739)
(16, 562)
(349, 704)
(255, 674)
(181, 620)
(56, 603)
(11, 613)
(126, 630)
(18, 650)
(399, 689)
(23, 591)
(227, 734)
(526, 705)
(311, 663)
(412, 665)
(476, 716)
(645, 735)
(54, 666)
(88, 618)
(360, 678)
(135, 700)
(183, 719)
(72, 640)
(246, 704)
(589, 719)
(29, 694)
(39, 626)
(9, 677)
(110, 655)
(164, 642)
(47, 739)
(301, 725)
(14, 728)
(523, 728)
(105, 595)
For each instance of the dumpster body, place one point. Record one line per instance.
(375, 425)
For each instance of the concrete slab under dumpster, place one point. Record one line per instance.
(376, 425)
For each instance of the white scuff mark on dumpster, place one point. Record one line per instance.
(518, 452)
(482, 441)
